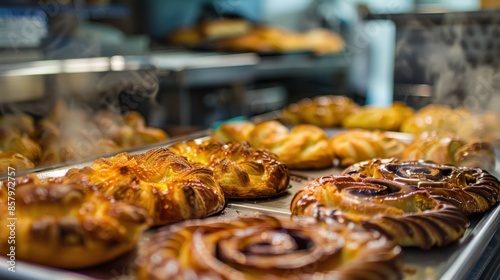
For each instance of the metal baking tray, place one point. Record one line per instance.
(455, 261)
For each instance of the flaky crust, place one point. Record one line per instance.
(450, 149)
(357, 145)
(265, 247)
(242, 171)
(407, 216)
(166, 185)
(301, 147)
(61, 225)
(322, 111)
(472, 190)
(382, 118)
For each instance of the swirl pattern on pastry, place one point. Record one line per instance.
(358, 145)
(450, 150)
(472, 190)
(242, 171)
(166, 185)
(303, 146)
(265, 247)
(322, 111)
(61, 225)
(407, 216)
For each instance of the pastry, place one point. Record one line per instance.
(472, 190)
(11, 159)
(449, 149)
(301, 147)
(61, 225)
(482, 127)
(242, 171)
(322, 111)
(407, 216)
(166, 185)
(382, 118)
(265, 247)
(437, 118)
(356, 145)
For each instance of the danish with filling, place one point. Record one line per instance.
(408, 216)
(301, 147)
(61, 225)
(169, 187)
(242, 171)
(472, 190)
(265, 247)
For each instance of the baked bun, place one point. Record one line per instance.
(450, 150)
(322, 111)
(265, 247)
(472, 190)
(381, 118)
(438, 118)
(407, 216)
(242, 171)
(357, 145)
(481, 127)
(61, 225)
(11, 159)
(166, 185)
(301, 147)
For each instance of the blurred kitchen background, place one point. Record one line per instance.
(117, 54)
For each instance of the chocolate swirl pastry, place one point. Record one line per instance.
(407, 216)
(166, 185)
(472, 190)
(242, 171)
(63, 226)
(265, 247)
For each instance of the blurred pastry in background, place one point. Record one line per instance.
(383, 118)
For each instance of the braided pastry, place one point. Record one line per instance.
(242, 171)
(265, 247)
(472, 190)
(63, 226)
(302, 147)
(322, 111)
(382, 118)
(407, 216)
(354, 146)
(166, 185)
(450, 150)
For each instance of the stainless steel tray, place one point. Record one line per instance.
(451, 262)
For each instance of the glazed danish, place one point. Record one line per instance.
(242, 171)
(472, 190)
(301, 147)
(63, 226)
(265, 247)
(407, 216)
(166, 185)
(322, 111)
(354, 146)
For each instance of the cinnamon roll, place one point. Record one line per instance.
(407, 216)
(472, 190)
(166, 185)
(61, 225)
(242, 171)
(265, 247)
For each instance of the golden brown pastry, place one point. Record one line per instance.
(408, 216)
(322, 111)
(323, 41)
(234, 131)
(438, 118)
(61, 225)
(265, 247)
(357, 145)
(450, 150)
(481, 127)
(381, 118)
(188, 36)
(166, 185)
(301, 147)
(242, 171)
(14, 160)
(223, 28)
(472, 190)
